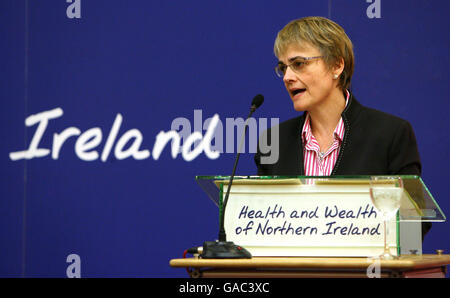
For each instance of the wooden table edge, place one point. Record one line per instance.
(404, 263)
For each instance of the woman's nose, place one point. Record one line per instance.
(289, 75)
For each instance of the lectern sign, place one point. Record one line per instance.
(316, 218)
(320, 216)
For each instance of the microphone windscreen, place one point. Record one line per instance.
(258, 101)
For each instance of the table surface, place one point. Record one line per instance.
(406, 262)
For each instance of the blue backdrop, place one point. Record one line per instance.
(152, 62)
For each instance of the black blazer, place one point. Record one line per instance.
(375, 143)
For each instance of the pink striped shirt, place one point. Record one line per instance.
(317, 163)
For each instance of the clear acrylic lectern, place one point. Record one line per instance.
(417, 206)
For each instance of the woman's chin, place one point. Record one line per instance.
(299, 107)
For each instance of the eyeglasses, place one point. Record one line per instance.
(297, 64)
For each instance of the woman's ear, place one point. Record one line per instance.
(338, 68)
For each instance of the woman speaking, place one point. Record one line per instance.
(335, 135)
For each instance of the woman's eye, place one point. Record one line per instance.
(298, 64)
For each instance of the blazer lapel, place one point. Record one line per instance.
(349, 116)
(292, 155)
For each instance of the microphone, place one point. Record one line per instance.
(223, 249)
(257, 102)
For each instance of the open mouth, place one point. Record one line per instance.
(297, 91)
